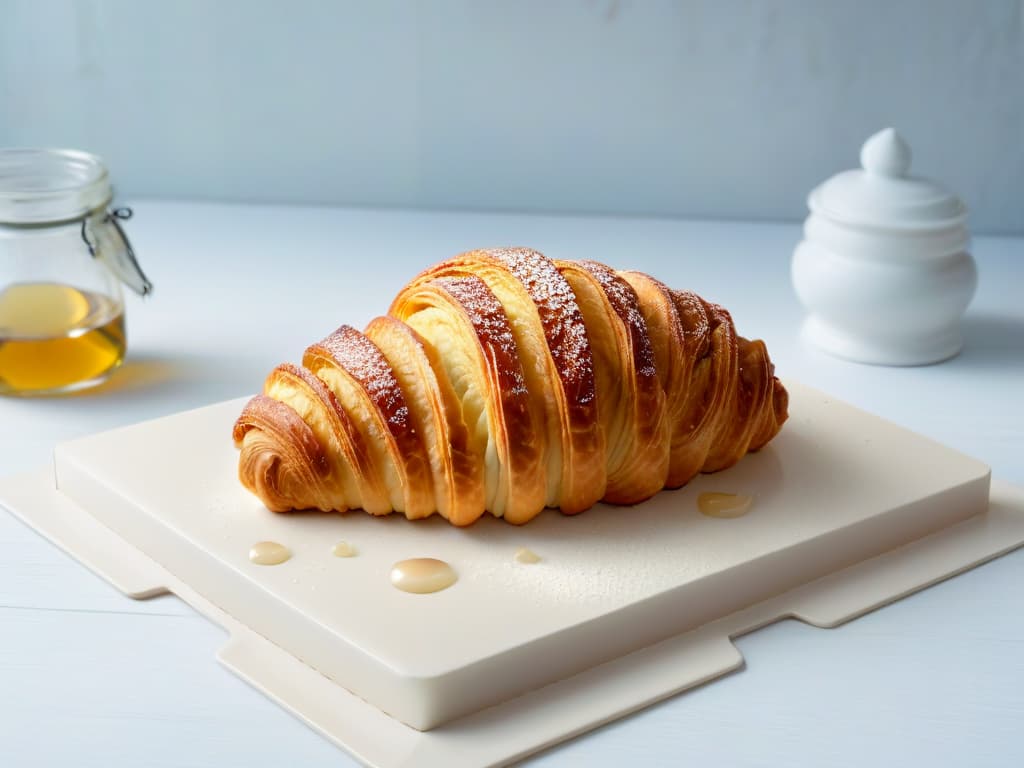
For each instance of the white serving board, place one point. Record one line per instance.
(628, 605)
(835, 487)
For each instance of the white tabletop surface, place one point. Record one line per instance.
(91, 678)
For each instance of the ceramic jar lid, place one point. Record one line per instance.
(883, 195)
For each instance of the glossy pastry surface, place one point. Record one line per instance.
(502, 381)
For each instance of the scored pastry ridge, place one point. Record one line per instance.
(503, 381)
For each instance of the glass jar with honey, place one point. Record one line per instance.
(63, 257)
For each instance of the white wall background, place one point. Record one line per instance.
(694, 108)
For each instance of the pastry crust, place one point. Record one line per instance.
(503, 381)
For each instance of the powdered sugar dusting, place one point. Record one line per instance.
(358, 355)
(627, 306)
(489, 320)
(695, 324)
(560, 316)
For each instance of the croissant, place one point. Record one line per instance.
(504, 381)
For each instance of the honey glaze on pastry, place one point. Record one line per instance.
(502, 381)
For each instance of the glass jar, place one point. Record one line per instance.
(63, 257)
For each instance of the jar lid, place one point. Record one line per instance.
(882, 194)
(48, 185)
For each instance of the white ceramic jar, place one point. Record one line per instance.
(883, 269)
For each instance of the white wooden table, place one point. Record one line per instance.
(91, 678)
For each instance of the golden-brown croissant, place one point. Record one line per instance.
(503, 381)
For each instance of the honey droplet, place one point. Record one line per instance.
(724, 505)
(528, 556)
(422, 575)
(269, 553)
(343, 549)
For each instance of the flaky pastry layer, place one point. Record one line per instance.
(502, 381)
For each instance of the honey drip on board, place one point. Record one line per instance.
(343, 549)
(527, 556)
(269, 553)
(724, 505)
(54, 336)
(422, 575)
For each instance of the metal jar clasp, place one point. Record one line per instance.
(119, 257)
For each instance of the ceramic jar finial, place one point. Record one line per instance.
(885, 154)
(883, 268)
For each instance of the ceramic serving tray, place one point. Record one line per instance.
(625, 606)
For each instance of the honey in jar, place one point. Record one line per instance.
(55, 337)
